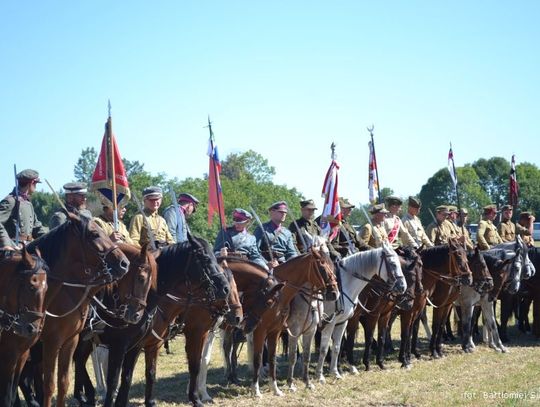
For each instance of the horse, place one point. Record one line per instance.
(81, 258)
(191, 286)
(446, 263)
(530, 294)
(23, 285)
(122, 306)
(311, 271)
(354, 273)
(260, 291)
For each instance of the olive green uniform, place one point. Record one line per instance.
(30, 226)
(341, 241)
(525, 234)
(308, 228)
(108, 228)
(373, 236)
(507, 230)
(414, 226)
(60, 217)
(139, 234)
(439, 233)
(487, 235)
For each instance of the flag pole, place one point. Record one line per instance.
(370, 129)
(112, 174)
(214, 169)
(457, 192)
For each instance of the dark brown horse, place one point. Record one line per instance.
(312, 272)
(82, 259)
(23, 284)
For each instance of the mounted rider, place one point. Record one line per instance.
(75, 198)
(347, 241)
(440, 230)
(374, 235)
(525, 227)
(398, 235)
(412, 223)
(177, 223)
(487, 235)
(507, 228)
(106, 222)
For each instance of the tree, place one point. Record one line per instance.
(45, 205)
(84, 168)
(250, 165)
(528, 176)
(493, 177)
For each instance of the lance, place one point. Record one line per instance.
(149, 230)
(176, 210)
(370, 129)
(17, 206)
(265, 237)
(302, 240)
(457, 194)
(112, 172)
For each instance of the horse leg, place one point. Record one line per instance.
(414, 337)
(115, 360)
(195, 339)
(83, 390)
(234, 360)
(506, 313)
(271, 342)
(524, 307)
(150, 362)
(64, 363)
(491, 324)
(50, 354)
(350, 336)
(404, 346)
(466, 323)
(323, 350)
(293, 346)
(388, 345)
(383, 329)
(336, 346)
(205, 361)
(367, 324)
(536, 315)
(307, 339)
(255, 343)
(128, 367)
(425, 324)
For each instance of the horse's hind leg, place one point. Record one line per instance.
(489, 321)
(195, 339)
(205, 362)
(64, 363)
(293, 346)
(150, 358)
(466, 324)
(307, 339)
(128, 367)
(83, 389)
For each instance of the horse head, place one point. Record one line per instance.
(411, 265)
(390, 269)
(482, 279)
(528, 267)
(459, 265)
(235, 315)
(327, 272)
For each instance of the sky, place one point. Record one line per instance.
(283, 78)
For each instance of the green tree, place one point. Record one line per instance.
(528, 176)
(250, 165)
(84, 168)
(45, 205)
(493, 177)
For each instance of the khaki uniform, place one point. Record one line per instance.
(30, 226)
(373, 236)
(139, 234)
(60, 217)
(525, 234)
(402, 237)
(507, 230)
(469, 245)
(416, 230)
(440, 233)
(487, 235)
(108, 228)
(341, 244)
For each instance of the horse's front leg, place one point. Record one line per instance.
(195, 339)
(383, 329)
(337, 335)
(307, 340)
(255, 342)
(83, 390)
(202, 391)
(491, 324)
(65, 357)
(466, 326)
(271, 342)
(326, 335)
(150, 359)
(368, 323)
(293, 346)
(128, 367)
(50, 355)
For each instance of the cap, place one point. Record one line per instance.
(442, 209)
(414, 202)
(75, 188)
(464, 211)
(525, 215)
(507, 208)
(379, 208)
(393, 200)
(28, 175)
(185, 197)
(308, 204)
(452, 208)
(490, 208)
(279, 206)
(345, 204)
(241, 216)
(152, 193)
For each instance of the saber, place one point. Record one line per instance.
(57, 197)
(371, 223)
(17, 207)
(303, 241)
(263, 232)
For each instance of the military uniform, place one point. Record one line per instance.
(487, 235)
(139, 233)
(373, 236)
(280, 239)
(507, 230)
(341, 244)
(178, 225)
(240, 242)
(59, 217)
(439, 233)
(108, 228)
(414, 226)
(397, 233)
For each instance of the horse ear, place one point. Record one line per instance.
(156, 253)
(144, 252)
(27, 258)
(277, 288)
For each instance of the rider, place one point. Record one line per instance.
(347, 241)
(236, 240)
(187, 206)
(106, 222)
(525, 227)
(441, 230)
(397, 233)
(412, 223)
(75, 197)
(487, 234)
(374, 236)
(507, 228)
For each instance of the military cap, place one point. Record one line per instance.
(414, 202)
(152, 192)
(442, 208)
(525, 215)
(28, 175)
(279, 206)
(241, 216)
(379, 208)
(75, 188)
(490, 208)
(308, 204)
(452, 208)
(464, 211)
(507, 208)
(185, 197)
(345, 204)
(393, 200)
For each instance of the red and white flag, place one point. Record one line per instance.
(451, 167)
(373, 183)
(514, 187)
(215, 194)
(331, 215)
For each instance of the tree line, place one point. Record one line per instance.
(247, 180)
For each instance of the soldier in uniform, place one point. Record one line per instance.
(525, 227)
(507, 228)
(187, 206)
(152, 197)
(75, 198)
(278, 237)
(463, 222)
(236, 240)
(487, 234)
(29, 225)
(106, 222)
(397, 233)
(459, 232)
(347, 241)
(412, 223)
(441, 230)
(374, 236)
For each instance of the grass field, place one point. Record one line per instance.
(482, 378)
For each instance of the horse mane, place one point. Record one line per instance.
(171, 258)
(52, 243)
(435, 256)
(362, 259)
(233, 259)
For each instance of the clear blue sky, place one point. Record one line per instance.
(284, 78)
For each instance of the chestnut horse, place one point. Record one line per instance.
(81, 258)
(123, 305)
(23, 284)
(311, 272)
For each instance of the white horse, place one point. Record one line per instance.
(355, 271)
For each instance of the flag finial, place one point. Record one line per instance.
(333, 148)
(109, 107)
(370, 129)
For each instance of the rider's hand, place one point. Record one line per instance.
(273, 263)
(116, 236)
(8, 248)
(223, 252)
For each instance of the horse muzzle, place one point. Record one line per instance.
(331, 294)
(399, 286)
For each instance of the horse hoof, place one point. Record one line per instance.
(292, 388)
(417, 355)
(278, 393)
(338, 376)
(354, 370)
(151, 403)
(381, 365)
(205, 398)
(310, 386)
(367, 368)
(322, 380)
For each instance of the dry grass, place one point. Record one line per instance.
(482, 378)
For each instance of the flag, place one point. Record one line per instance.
(451, 167)
(110, 168)
(215, 195)
(373, 184)
(514, 187)
(331, 215)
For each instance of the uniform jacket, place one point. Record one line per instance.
(341, 244)
(178, 226)
(373, 236)
(507, 230)
(403, 236)
(439, 233)
(108, 228)
(30, 226)
(487, 235)
(139, 234)
(416, 230)
(59, 217)
(240, 242)
(280, 239)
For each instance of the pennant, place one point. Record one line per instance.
(451, 167)
(373, 183)
(514, 187)
(110, 167)
(215, 195)
(331, 215)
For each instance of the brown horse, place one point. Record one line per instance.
(312, 272)
(23, 284)
(82, 259)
